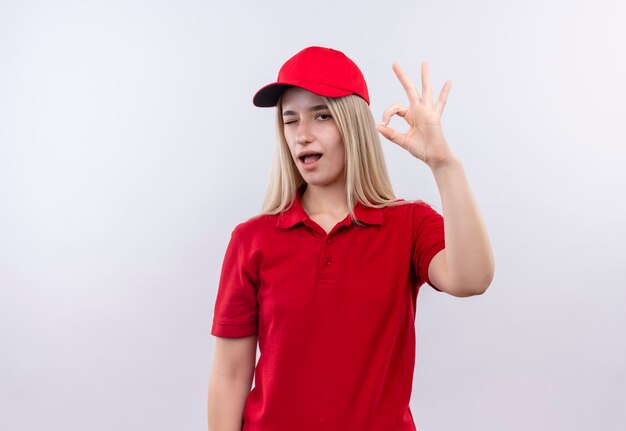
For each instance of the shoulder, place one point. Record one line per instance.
(255, 226)
(421, 207)
(415, 215)
(415, 208)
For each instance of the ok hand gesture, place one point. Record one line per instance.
(424, 139)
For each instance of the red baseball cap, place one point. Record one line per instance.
(323, 71)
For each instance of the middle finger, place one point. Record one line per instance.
(410, 89)
(427, 93)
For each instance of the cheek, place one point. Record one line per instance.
(338, 141)
(338, 146)
(287, 137)
(290, 140)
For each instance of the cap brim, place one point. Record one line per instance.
(268, 96)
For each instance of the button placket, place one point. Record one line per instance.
(326, 260)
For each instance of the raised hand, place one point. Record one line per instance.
(424, 139)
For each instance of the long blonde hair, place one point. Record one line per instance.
(366, 174)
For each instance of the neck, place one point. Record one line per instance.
(329, 199)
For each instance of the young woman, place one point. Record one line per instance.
(326, 277)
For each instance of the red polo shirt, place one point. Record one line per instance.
(334, 314)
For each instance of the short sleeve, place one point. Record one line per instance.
(236, 306)
(428, 240)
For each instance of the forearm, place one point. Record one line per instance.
(226, 401)
(468, 252)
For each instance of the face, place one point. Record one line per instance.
(309, 128)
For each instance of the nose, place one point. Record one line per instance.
(303, 134)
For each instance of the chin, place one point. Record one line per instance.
(320, 182)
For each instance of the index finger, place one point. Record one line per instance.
(409, 87)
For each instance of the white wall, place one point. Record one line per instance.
(129, 149)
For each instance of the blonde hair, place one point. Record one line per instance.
(366, 174)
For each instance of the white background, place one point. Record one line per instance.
(130, 148)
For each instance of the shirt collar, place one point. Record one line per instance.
(296, 214)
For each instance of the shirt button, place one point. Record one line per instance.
(327, 240)
(327, 261)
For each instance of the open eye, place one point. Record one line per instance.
(327, 116)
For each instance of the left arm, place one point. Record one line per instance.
(465, 267)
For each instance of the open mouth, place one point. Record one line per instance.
(310, 158)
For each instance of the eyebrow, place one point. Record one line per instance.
(312, 108)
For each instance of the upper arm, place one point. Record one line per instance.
(236, 307)
(235, 357)
(438, 272)
(428, 244)
(438, 275)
